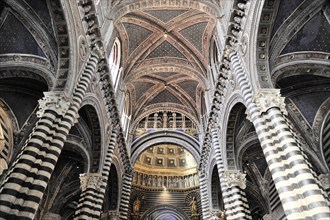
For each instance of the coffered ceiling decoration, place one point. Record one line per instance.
(166, 158)
(166, 53)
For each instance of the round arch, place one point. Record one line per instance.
(112, 193)
(160, 137)
(215, 189)
(165, 212)
(234, 100)
(92, 107)
(120, 171)
(38, 69)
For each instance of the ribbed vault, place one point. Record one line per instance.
(166, 53)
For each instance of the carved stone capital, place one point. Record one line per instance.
(270, 98)
(91, 180)
(55, 101)
(111, 215)
(324, 179)
(235, 178)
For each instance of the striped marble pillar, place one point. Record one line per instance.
(93, 187)
(125, 195)
(26, 181)
(297, 186)
(204, 195)
(109, 154)
(234, 199)
(91, 197)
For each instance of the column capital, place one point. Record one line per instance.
(269, 98)
(91, 180)
(55, 101)
(324, 179)
(112, 214)
(235, 178)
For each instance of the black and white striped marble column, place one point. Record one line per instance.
(93, 186)
(236, 204)
(125, 195)
(234, 198)
(91, 197)
(204, 195)
(27, 179)
(297, 186)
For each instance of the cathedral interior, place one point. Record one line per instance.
(165, 109)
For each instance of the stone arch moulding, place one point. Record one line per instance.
(33, 64)
(73, 28)
(314, 63)
(323, 144)
(91, 101)
(161, 137)
(157, 212)
(235, 99)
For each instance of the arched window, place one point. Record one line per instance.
(126, 116)
(114, 63)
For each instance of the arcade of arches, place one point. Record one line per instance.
(165, 109)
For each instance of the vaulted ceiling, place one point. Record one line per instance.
(165, 54)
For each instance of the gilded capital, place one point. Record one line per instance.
(235, 178)
(55, 101)
(270, 98)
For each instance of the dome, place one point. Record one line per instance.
(166, 159)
